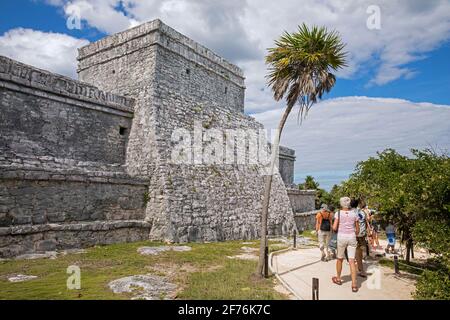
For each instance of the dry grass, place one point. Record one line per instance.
(205, 272)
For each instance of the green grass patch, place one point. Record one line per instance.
(308, 234)
(205, 272)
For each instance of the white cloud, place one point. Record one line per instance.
(101, 14)
(242, 30)
(340, 132)
(54, 2)
(51, 51)
(216, 24)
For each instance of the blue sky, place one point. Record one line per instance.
(39, 15)
(402, 68)
(431, 83)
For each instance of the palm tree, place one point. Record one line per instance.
(309, 184)
(300, 69)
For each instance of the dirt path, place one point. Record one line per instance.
(298, 267)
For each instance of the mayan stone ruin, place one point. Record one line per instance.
(89, 162)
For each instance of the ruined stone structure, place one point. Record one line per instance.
(89, 162)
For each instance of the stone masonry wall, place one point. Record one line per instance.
(188, 84)
(85, 163)
(302, 200)
(306, 220)
(62, 154)
(286, 166)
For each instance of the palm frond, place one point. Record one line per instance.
(301, 65)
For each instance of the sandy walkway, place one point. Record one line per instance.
(298, 267)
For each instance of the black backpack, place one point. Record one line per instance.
(325, 224)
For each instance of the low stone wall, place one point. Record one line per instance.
(306, 220)
(63, 182)
(302, 200)
(47, 115)
(15, 241)
(44, 210)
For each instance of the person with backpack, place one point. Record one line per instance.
(323, 229)
(361, 237)
(346, 225)
(332, 245)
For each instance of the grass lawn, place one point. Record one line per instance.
(205, 272)
(311, 235)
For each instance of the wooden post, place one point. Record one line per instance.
(266, 262)
(295, 239)
(396, 266)
(315, 288)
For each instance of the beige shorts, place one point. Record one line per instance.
(346, 243)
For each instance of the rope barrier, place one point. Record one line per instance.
(410, 266)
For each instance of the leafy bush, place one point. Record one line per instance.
(433, 285)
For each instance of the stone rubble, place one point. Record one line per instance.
(33, 256)
(157, 250)
(21, 278)
(244, 256)
(144, 287)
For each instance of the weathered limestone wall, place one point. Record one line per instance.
(302, 200)
(80, 166)
(62, 151)
(183, 82)
(44, 215)
(286, 165)
(306, 220)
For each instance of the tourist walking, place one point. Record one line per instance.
(347, 227)
(323, 229)
(375, 228)
(390, 235)
(361, 237)
(368, 229)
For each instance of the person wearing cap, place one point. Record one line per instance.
(323, 229)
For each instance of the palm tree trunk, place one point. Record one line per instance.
(267, 188)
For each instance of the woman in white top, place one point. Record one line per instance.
(347, 227)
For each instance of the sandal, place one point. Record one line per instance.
(336, 281)
(354, 289)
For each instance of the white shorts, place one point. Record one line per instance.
(350, 244)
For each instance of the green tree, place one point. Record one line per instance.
(309, 184)
(433, 233)
(335, 195)
(300, 69)
(414, 193)
(405, 190)
(322, 196)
